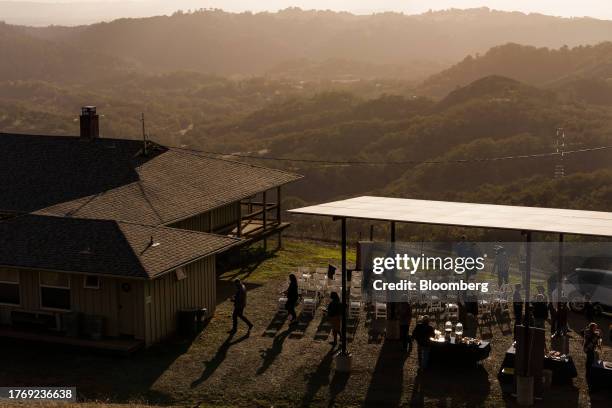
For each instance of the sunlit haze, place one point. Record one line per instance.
(88, 11)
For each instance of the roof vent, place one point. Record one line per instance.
(89, 123)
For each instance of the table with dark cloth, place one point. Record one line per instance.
(601, 376)
(451, 352)
(563, 371)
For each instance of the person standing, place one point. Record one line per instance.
(334, 315)
(592, 342)
(405, 318)
(540, 310)
(517, 306)
(501, 266)
(240, 300)
(422, 333)
(292, 298)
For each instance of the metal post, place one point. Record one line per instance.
(278, 205)
(560, 271)
(392, 231)
(527, 276)
(344, 303)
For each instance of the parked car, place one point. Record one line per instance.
(594, 277)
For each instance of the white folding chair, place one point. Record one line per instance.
(282, 301)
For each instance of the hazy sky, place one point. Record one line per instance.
(594, 8)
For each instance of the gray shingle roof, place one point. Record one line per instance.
(104, 247)
(111, 179)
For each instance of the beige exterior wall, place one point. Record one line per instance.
(155, 303)
(165, 296)
(223, 217)
(101, 302)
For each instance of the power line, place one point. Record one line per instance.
(395, 163)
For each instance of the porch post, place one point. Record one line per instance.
(560, 271)
(392, 231)
(344, 302)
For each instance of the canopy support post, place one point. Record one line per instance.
(527, 276)
(560, 271)
(344, 303)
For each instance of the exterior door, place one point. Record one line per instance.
(126, 308)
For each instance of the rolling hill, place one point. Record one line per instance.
(553, 68)
(411, 46)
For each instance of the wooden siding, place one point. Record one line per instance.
(222, 218)
(101, 302)
(156, 302)
(165, 296)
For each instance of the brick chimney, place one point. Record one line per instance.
(89, 123)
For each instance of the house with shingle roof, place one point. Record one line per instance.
(111, 239)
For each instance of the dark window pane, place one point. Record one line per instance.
(9, 293)
(55, 298)
(92, 282)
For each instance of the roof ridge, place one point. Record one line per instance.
(197, 153)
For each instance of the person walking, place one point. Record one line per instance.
(240, 300)
(592, 342)
(292, 298)
(422, 333)
(405, 318)
(334, 315)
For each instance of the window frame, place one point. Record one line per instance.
(86, 286)
(40, 292)
(18, 284)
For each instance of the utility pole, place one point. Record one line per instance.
(144, 136)
(560, 147)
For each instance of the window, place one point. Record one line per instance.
(91, 282)
(54, 291)
(9, 287)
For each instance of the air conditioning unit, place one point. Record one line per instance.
(5, 316)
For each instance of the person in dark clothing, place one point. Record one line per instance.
(517, 306)
(292, 298)
(553, 317)
(540, 310)
(239, 299)
(405, 318)
(334, 315)
(501, 266)
(422, 333)
(562, 326)
(592, 342)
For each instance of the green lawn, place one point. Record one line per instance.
(261, 268)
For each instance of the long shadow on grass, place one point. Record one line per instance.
(277, 322)
(318, 379)
(219, 357)
(464, 387)
(269, 355)
(388, 378)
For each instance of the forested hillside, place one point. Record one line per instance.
(314, 113)
(308, 44)
(538, 66)
(23, 56)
